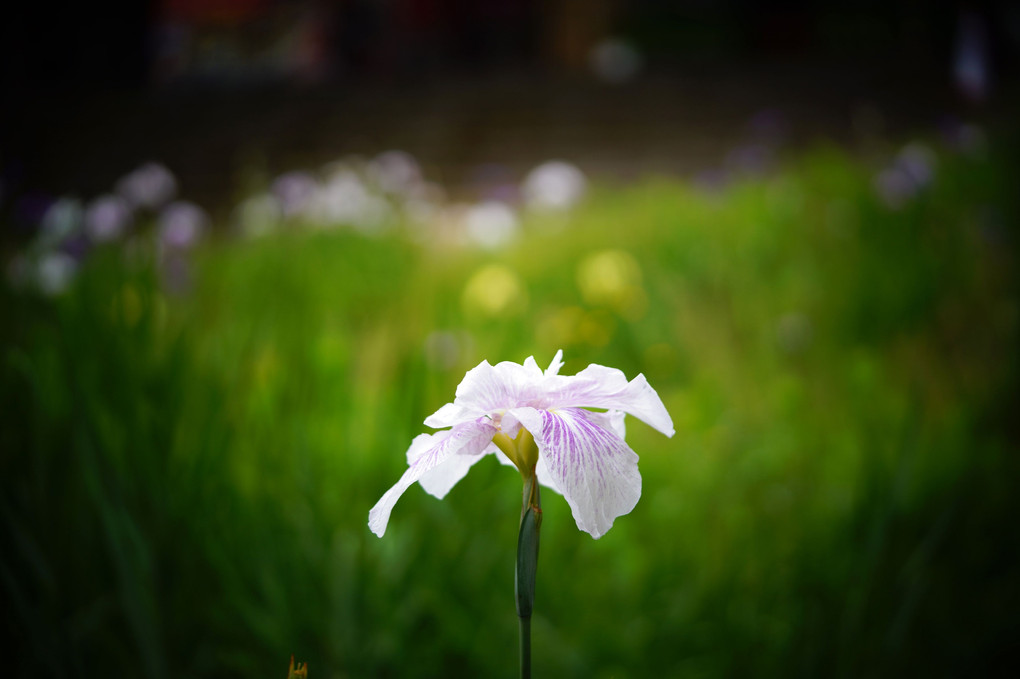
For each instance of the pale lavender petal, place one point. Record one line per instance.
(487, 388)
(594, 469)
(440, 480)
(555, 364)
(616, 422)
(600, 387)
(450, 415)
(470, 438)
(545, 477)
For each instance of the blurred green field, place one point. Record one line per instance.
(185, 479)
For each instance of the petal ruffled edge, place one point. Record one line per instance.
(594, 469)
(598, 386)
(426, 454)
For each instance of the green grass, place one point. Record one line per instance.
(185, 480)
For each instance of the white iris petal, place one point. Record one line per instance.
(582, 454)
(465, 439)
(595, 470)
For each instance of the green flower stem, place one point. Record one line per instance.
(527, 565)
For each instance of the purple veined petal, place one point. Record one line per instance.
(470, 438)
(594, 469)
(440, 480)
(600, 387)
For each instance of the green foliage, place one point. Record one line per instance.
(185, 480)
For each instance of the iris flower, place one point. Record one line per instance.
(581, 453)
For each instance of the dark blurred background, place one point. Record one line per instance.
(624, 88)
(249, 245)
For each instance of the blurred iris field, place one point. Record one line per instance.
(186, 473)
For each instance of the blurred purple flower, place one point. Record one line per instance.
(911, 171)
(895, 187)
(181, 225)
(970, 58)
(395, 172)
(107, 218)
(150, 186)
(295, 191)
(918, 162)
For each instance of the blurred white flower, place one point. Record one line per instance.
(61, 220)
(181, 225)
(344, 199)
(258, 215)
(615, 61)
(150, 186)
(395, 172)
(54, 272)
(554, 185)
(107, 217)
(490, 224)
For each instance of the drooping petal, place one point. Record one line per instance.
(470, 438)
(545, 477)
(589, 463)
(440, 480)
(600, 387)
(616, 422)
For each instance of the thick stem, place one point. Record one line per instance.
(527, 565)
(525, 648)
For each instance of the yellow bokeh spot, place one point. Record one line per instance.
(569, 326)
(494, 290)
(264, 367)
(127, 306)
(612, 279)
